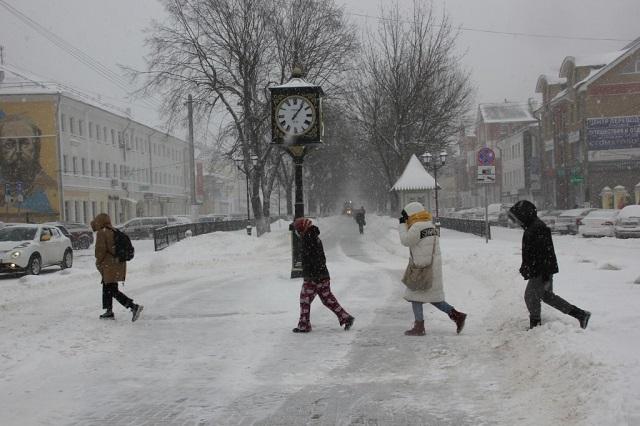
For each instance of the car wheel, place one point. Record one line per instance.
(67, 259)
(84, 242)
(35, 264)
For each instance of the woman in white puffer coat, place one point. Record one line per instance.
(418, 232)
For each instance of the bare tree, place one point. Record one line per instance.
(411, 92)
(227, 52)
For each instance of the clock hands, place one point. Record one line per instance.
(299, 109)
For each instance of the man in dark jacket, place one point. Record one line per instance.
(360, 220)
(315, 277)
(539, 263)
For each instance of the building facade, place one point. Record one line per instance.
(65, 158)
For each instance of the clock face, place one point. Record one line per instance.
(295, 115)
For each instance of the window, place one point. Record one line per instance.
(94, 207)
(119, 138)
(122, 176)
(107, 170)
(72, 125)
(90, 130)
(104, 133)
(93, 167)
(63, 118)
(67, 211)
(101, 207)
(84, 166)
(80, 127)
(85, 211)
(65, 164)
(76, 218)
(100, 168)
(75, 165)
(113, 137)
(115, 171)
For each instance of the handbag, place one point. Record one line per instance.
(419, 278)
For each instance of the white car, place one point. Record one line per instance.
(628, 222)
(598, 223)
(29, 248)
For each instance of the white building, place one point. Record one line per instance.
(88, 158)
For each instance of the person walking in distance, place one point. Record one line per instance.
(316, 280)
(360, 219)
(418, 232)
(539, 264)
(111, 269)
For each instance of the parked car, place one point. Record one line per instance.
(29, 248)
(599, 223)
(570, 220)
(628, 222)
(142, 227)
(81, 235)
(549, 217)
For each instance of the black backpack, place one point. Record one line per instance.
(124, 248)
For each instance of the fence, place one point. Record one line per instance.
(167, 235)
(471, 226)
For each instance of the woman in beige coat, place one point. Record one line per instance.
(111, 269)
(418, 232)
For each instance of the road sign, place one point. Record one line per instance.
(486, 157)
(486, 174)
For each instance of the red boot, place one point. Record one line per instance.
(459, 318)
(417, 330)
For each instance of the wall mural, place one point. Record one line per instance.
(28, 160)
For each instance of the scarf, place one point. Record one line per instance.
(423, 216)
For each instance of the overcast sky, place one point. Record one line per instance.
(502, 66)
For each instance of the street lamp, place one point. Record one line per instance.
(430, 160)
(239, 162)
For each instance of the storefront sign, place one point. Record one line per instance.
(613, 133)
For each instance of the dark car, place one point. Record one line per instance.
(81, 235)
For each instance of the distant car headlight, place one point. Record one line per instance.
(15, 254)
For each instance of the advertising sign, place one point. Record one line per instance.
(613, 133)
(28, 158)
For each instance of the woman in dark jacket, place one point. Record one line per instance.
(110, 268)
(539, 263)
(316, 278)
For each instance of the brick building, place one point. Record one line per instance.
(590, 126)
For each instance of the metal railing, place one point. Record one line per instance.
(165, 236)
(470, 226)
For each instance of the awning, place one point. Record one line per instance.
(131, 200)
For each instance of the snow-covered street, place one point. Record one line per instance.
(214, 345)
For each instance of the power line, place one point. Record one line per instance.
(509, 33)
(75, 52)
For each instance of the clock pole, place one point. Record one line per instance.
(296, 127)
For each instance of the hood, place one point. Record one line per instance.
(11, 245)
(415, 212)
(523, 212)
(100, 222)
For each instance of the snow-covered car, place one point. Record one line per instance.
(29, 248)
(549, 217)
(628, 222)
(570, 220)
(599, 223)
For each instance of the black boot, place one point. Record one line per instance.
(534, 322)
(108, 315)
(136, 310)
(581, 315)
(459, 318)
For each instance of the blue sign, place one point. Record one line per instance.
(486, 157)
(613, 133)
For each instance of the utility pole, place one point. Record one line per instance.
(192, 161)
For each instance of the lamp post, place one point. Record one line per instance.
(239, 162)
(435, 163)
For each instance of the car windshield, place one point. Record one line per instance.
(17, 233)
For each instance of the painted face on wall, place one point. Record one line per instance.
(19, 151)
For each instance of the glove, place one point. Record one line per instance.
(402, 219)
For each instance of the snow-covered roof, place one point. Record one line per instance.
(550, 78)
(505, 112)
(295, 82)
(594, 61)
(414, 177)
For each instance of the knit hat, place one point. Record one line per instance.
(301, 224)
